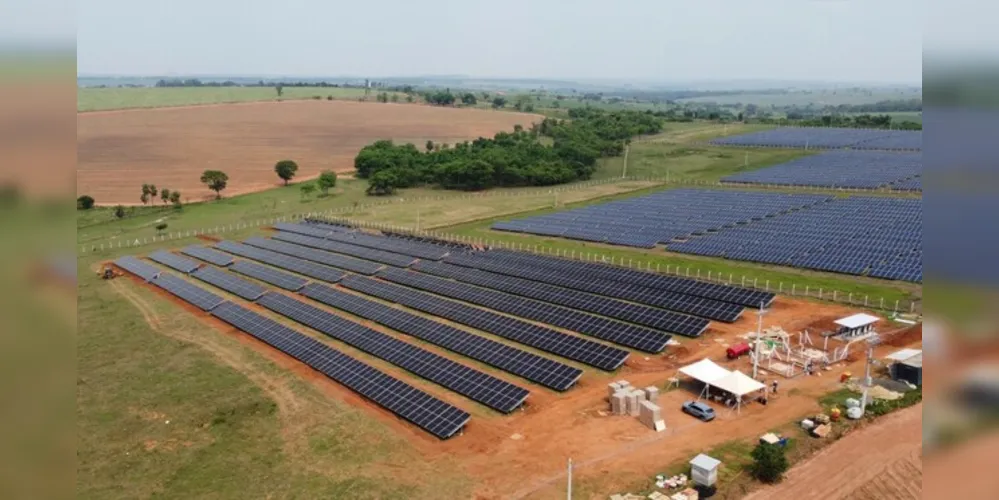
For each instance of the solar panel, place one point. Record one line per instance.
(575, 348)
(538, 369)
(191, 293)
(176, 262)
(474, 384)
(602, 328)
(230, 283)
(294, 264)
(207, 255)
(829, 137)
(270, 275)
(425, 411)
(423, 250)
(685, 286)
(137, 267)
(317, 231)
(652, 317)
(326, 258)
(390, 258)
(838, 169)
(579, 280)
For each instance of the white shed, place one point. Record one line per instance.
(704, 470)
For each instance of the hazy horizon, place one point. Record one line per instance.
(847, 41)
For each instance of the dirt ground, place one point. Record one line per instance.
(882, 460)
(523, 455)
(118, 151)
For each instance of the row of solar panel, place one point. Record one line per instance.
(424, 410)
(825, 137)
(395, 245)
(840, 169)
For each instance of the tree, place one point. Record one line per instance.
(85, 202)
(152, 192)
(395, 97)
(409, 97)
(307, 189)
(430, 146)
(279, 89)
(165, 195)
(326, 181)
(175, 198)
(382, 182)
(469, 99)
(286, 170)
(145, 194)
(161, 227)
(769, 462)
(499, 102)
(119, 211)
(216, 180)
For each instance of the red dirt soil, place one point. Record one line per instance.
(171, 147)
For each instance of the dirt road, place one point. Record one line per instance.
(880, 461)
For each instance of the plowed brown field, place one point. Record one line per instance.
(118, 151)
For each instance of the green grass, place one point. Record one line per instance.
(818, 97)
(701, 163)
(185, 411)
(98, 99)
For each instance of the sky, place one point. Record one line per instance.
(876, 41)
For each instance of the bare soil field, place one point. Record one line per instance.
(882, 460)
(118, 151)
(523, 455)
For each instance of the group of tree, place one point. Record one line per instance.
(325, 182)
(386, 97)
(517, 158)
(149, 193)
(847, 121)
(440, 97)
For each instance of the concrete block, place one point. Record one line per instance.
(641, 395)
(623, 384)
(650, 415)
(612, 388)
(633, 401)
(619, 405)
(652, 394)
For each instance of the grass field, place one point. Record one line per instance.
(823, 97)
(102, 99)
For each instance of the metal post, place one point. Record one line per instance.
(569, 484)
(756, 345)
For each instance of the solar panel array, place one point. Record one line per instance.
(230, 283)
(207, 255)
(578, 279)
(570, 347)
(269, 275)
(816, 137)
(137, 267)
(538, 369)
(191, 293)
(476, 385)
(849, 235)
(300, 266)
(429, 413)
(413, 248)
(652, 317)
(636, 337)
(325, 258)
(392, 259)
(840, 169)
(174, 261)
(661, 217)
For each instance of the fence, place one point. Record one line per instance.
(335, 215)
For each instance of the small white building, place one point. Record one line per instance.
(856, 325)
(704, 470)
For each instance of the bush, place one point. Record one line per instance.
(161, 227)
(119, 211)
(84, 202)
(769, 462)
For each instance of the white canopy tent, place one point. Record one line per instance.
(739, 384)
(713, 375)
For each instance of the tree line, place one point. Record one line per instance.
(517, 158)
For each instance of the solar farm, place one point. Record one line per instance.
(842, 169)
(540, 321)
(829, 138)
(877, 237)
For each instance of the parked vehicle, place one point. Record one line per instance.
(736, 350)
(699, 410)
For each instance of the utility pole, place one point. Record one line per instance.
(756, 346)
(624, 171)
(867, 378)
(569, 487)
(417, 220)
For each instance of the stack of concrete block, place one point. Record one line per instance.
(635, 398)
(619, 403)
(651, 416)
(652, 394)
